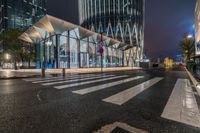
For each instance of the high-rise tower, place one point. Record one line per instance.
(119, 19)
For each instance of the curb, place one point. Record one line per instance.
(8, 78)
(194, 81)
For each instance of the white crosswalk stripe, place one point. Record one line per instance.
(104, 86)
(124, 96)
(88, 82)
(68, 77)
(182, 106)
(75, 80)
(46, 78)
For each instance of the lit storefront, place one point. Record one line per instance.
(60, 44)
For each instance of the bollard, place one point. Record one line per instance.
(63, 72)
(43, 72)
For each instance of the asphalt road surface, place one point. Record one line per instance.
(154, 101)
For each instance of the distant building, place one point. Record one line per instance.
(119, 19)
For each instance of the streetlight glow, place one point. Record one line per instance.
(7, 56)
(49, 43)
(189, 36)
(198, 86)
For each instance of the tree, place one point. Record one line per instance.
(187, 46)
(14, 46)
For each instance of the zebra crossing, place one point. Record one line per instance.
(180, 107)
(100, 87)
(70, 78)
(124, 96)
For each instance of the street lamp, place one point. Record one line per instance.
(189, 36)
(198, 85)
(7, 56)
(48, 44)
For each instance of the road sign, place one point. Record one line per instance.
(100, 48)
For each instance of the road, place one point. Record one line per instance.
(155, 101)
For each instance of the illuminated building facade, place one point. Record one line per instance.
(119, 19)
(197, 27)
(61, 44)
(21, 13)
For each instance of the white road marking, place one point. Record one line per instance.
(124, 96)
(88, 82)
(36, 79)
(182, 106)
(65, 78)
(109, 128)
(38, 95)
(45, 78)
(104, 86)
(75, 80)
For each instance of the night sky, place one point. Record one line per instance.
(166, 21)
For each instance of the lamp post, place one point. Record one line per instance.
(7, 56)
(48, 44)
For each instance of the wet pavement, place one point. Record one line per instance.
(14, 74)
(142, 96)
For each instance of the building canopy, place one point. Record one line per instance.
(52, 25)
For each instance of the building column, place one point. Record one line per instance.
(78, 53)
(95, 55)
(88, 54)
(123, 52)
(57, 51)
(68, 50)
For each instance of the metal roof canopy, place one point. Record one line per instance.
(49, 24)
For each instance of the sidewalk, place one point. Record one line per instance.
(27, 73)
(194, 80)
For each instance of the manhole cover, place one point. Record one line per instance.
(119, 130)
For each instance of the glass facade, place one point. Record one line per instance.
(119, 19)
(67, 51)
(61, 44)
(21, 13)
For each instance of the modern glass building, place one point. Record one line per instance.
(119, 19)
(20, 13)
(197, 37)
(60, 44)
(197, 27)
